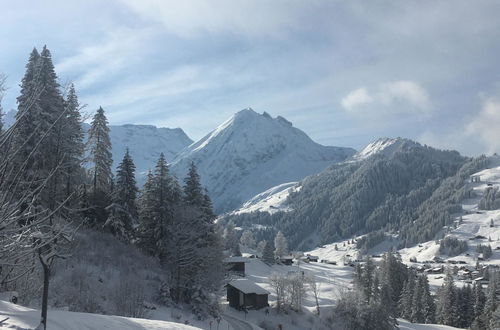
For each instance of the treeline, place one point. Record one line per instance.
(413, 193)
(51, 183)
(452, 246)
(490, 199)
(390, 290)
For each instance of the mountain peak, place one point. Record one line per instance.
(386, 146)
(252, 152)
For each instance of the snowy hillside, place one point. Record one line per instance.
(250, 153)
(145, 143)
(271, 200)
(385, 146)
(26, 318)
(474, 226)
(332, 281)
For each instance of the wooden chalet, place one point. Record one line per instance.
(236, 265)
(311, 258)
(286, 260)
(245, 294)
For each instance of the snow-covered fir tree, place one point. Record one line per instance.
(231, 238)
(193, 191)
(447, 312)
(281, 245)
(99, 146)
(123, 214)
(73, 145)
(148, 229)
(268, 254)
(247, 239)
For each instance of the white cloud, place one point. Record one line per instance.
(356, 98)
(181, 80)
(478, 134)
(390, 97)
(247, 17)
(485, 126)
(404, 91)
(99, 60)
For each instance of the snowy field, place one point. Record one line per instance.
(332, 280)
(21, 318)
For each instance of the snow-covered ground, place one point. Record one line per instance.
(271, 200)
(331, 279)
(473, 223)
(21, 318)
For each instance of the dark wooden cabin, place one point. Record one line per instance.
(236, 265)
(286, 260)
(311, 258)
(243, 293)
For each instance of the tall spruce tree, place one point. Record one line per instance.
(267, 254)
(427, 300)
(123, 214)
(193, 191)
(147, 231)
(99, 146)
(447, 312)
(39, 137)
(73, 146)
(491, 300)
(465, 307)
(479, 299)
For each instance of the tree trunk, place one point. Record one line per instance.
(45, 297)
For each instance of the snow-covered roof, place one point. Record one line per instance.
(236, 259)
(247, 286)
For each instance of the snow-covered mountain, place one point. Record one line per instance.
(271, 200)
(252, 152)
(145, 143)
(385, 146)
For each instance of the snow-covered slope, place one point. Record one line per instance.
(474, 223)
(271, 200)
(250, 153)
(385, 146)
(25, 318)
(145, 143)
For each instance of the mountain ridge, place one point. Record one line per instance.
(249, 153)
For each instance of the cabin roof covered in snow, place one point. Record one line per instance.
(236, 259)
(247, 286)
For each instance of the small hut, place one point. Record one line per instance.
(286, 260)
(311, 258)
(236, 265)
(475, 178)
(243, 293)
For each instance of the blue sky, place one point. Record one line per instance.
(345, 72)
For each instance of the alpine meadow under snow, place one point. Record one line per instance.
(238, 219)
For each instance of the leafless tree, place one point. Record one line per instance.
(315, 287)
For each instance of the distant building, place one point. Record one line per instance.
(286, 260)
(475, 178)
(311, 258)
(236, 265)
(243, 293)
